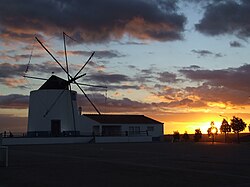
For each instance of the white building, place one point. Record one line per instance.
(121, 125)
(53, 111)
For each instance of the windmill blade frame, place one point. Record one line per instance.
(53, 57)
(70, 78)
(88, 98)
(85, 64)
(69, 86)
(38, 78)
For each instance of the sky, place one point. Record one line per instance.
(182, 62)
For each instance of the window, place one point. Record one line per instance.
(134, 130)
(137, 130)
(150, 128)
(131, 129)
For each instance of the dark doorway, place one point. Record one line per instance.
(55, 127)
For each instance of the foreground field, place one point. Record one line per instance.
(134, 164)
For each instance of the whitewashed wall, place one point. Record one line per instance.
(41, 101)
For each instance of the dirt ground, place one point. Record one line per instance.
(128, 164)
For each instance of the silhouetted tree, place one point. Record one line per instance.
(185, 136)
(197, 135)
(238, 125)
(176, 136)
(225, 128)
(212, 131)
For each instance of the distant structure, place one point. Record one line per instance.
(53, 112)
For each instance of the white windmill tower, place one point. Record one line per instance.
(53, 107)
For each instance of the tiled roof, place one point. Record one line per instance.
(55, 82)
(122, 119)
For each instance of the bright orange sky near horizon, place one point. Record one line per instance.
(203, 123)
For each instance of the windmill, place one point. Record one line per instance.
(57, 97)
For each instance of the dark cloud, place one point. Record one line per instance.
(132, 43)
(10, 55)
(26, 57)
(235, 44)
(222, 85)
(204, 2)
(233, 78)
(14, 101)
(168, 93)
(203, 53)
(217, 94)
(192, 67)
(98, 54)
(226, 17)
(108, 78)
(167, 77)
(132, 67)
(8, 70)
(144, 75)
(123, 87)
(112, 105)
(147, 71)
(11, 75)
(177, 98)
(92, 21)
(185, 103)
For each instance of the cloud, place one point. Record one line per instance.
(218, 94)
(132, 43)
(17, 58)
(12, 74)
(192, 67)
(186, 102)
(8, 70)
(112, 105)
(13, 82)
(14, 101)
(221, 85)
(108, 54)
(91, 21)
(13, 123)
(108, 78)
(226, 17)
(144, 75)
(233, 78)
(236, 44)
(204, 53)
(167, 77)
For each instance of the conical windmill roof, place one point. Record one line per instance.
(56, 83)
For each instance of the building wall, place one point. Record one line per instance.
(154, 130)
(88, 126)
(47, 105)
(85, 125)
